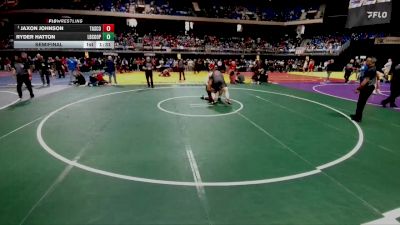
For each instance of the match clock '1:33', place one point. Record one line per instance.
(104, 44)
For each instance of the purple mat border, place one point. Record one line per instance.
(341, 91)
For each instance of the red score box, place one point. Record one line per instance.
(108, 27)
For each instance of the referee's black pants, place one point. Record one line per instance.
(61, 73)
(45, 75)
(21, 79)
(394, 93)
(362, 100)
(182, 72)
(149, 78)
(347, 76)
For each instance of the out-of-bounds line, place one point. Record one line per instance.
(52, 187)
(12, 103)
(298, 113)
(301, 114)
(326, 124)
(195, 170)
(386, 149)
(201, 193)
(19, 128)
(367, 204)
(359, 130)
(276, 139)
(395, 125)
(319, 168)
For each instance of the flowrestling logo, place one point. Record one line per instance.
(65, 21)
(377, 14)
(369, 12)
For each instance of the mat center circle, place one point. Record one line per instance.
(199, 109)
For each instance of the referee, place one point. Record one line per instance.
(366, 88)
(394, 88)
(148, 67)
(23, 73)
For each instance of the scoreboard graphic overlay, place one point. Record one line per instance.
(64, 36)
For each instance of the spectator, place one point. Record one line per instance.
(44, 69)
(232, 77)
(240, 78)
(394, 89)
(100, 79)
(59, 68)
(79, 79)
(72, 64)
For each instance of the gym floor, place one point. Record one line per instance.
(132, 155)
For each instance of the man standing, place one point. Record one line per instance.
(59, 68)
(110, 69)
(23, 73)
(363, 70)
(382, 76)
(44, 70)
(348, 70)
(311, 66)
(148, 67)
(181, 69)
(329, 69)
(72, 64)
(366, 88)
(386, 68)
(305, 66)
(394, 88)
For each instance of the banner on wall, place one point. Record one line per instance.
(369, 12)
(387, 41)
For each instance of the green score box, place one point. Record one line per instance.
(107, 36)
